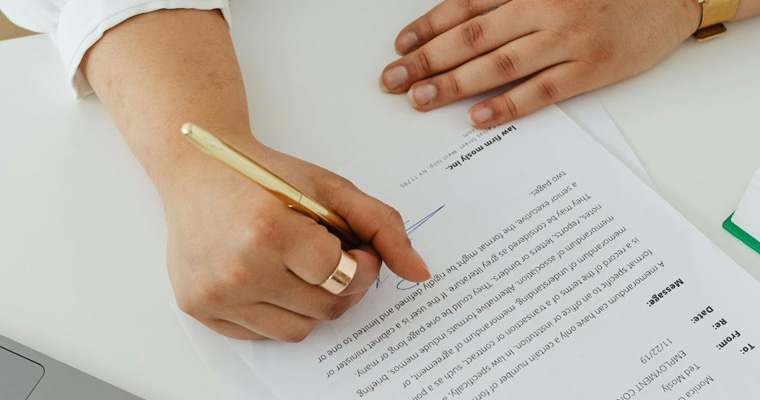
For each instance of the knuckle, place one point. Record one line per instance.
(236, 276)
(547, 91)
(553, 38)
(196, 301)
(208, 293)
(602, 52)
(472, 33)
(335, 308)
(261, 232)
(422, 60)
(394, 217)
(590, 42)
(332, 188)
(187, 304)
(578, 24)
(395, 222)
(426, 23)
(452, 84)
(297, 335)
(508, 105)
(587, 69)
(329, 249)
(506, 64)
(467, 7)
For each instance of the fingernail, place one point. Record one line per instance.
(424, 264)
(480, 115)
(393, 78)
(421, 95)
(406, 42)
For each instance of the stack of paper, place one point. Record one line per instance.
(744, 223)
(557, 273)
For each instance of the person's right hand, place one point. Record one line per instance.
(239, 260)
(248, 267)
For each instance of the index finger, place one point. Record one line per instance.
(441, 18)
(381, 226)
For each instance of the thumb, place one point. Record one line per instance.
(382, 226)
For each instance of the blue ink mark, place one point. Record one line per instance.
(402, 281)
(421, 222)
(403, 284)
(379, 282)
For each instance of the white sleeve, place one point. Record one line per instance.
(75, 25)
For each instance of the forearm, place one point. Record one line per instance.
(158, 70)
(239, 260)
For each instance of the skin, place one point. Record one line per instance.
(562, 47)
(239, 260)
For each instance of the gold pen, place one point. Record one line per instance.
(289, 194)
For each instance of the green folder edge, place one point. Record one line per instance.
(740, 234)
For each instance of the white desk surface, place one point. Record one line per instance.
(82, 274)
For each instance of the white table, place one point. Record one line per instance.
(82, 274)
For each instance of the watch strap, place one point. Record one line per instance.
(714, 12)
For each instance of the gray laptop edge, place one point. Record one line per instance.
(28, 375)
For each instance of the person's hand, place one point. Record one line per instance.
(564, 47)
(247, 266)
(239, 260)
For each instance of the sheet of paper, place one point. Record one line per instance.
(590, 115)
(557, 273)
(232, 375)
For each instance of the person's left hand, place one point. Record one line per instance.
(565, 47)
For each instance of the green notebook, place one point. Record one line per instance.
(744, 223)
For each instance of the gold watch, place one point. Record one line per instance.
(714, 12)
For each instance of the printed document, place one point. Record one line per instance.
(557, 273)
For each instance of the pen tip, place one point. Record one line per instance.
(187, 127)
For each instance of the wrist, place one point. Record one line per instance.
(179, 168)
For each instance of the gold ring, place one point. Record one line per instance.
(341, 277)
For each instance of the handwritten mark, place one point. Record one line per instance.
(402, 284)
(421, 222)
